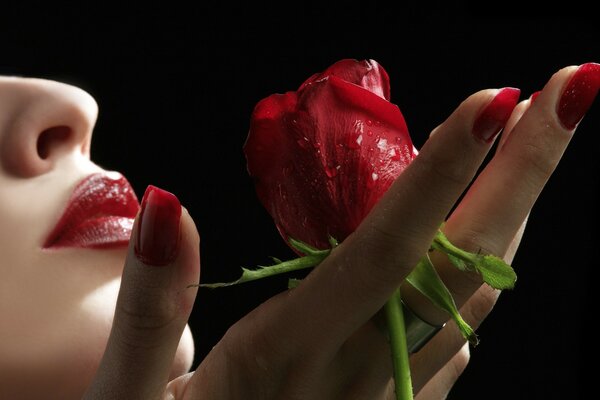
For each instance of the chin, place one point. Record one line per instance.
(44, 379)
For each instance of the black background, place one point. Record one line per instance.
(176, 86)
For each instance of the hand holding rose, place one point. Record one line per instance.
(321, 340)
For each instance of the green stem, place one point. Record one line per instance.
(440, 242)
(296, 264)
(397, 331)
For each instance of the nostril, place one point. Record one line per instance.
(52, 138)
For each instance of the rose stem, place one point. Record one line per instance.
(397, 331)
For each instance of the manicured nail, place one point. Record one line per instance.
(534, 96)
(158, 231)
(494, 116)
(579, 95)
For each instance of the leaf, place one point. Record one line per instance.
(496, 273)
(457, 262)
(425, 279)
(493, 270)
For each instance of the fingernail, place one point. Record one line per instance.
(579, 95)
(534, 96)
(158, 231)
(494, 116)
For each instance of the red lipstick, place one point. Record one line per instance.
(99, 214)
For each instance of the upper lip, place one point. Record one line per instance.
(97, 203)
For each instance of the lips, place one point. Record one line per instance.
(99, 214)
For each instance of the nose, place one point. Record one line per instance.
(42, 121)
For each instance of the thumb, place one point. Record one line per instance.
(154, 302)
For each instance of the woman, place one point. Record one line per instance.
(65, 225)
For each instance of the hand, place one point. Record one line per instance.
(321, 340)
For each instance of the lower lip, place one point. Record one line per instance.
(100, 214)
(104, 232)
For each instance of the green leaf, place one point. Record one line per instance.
(493, 270)
(496, 273)
(425, 279)
(457, 262)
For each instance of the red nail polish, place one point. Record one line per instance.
(534, 96)
(158, 227)
(494, 116)
(579, 95)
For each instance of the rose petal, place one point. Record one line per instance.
(322, 157)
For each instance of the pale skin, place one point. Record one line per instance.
(318, 341)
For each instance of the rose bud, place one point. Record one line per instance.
(322, 156)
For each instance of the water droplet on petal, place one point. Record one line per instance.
(358, 126)
(395, 154)
(369, 122)
(369, 133)
(371, 182)
(332, 171)
(303, 142)
(355, 141)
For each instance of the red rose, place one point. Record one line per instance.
(322, 156)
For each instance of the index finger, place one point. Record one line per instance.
(153, 304)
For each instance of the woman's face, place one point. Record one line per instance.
(64, 227)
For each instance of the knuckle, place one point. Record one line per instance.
(269, 364)
(535, 156)
(386, 252)
(539, 153)
(456, 165)
(480, 305)
(139, 320)
(459, 362)
(474, 237)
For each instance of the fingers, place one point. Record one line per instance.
(496, 206)
(360, 275)
(440, 385)
(440, 350)
(153, 305)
